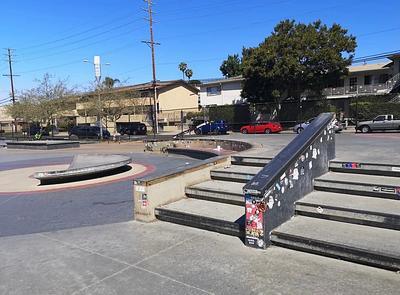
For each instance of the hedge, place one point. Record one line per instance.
(369, 110)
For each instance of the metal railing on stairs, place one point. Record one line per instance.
(394, 82)
(271, 195)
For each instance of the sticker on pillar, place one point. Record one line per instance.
(144, 200)
(291, 184)
(140, 188)
(295, 174)
(314, 153)
(310, 165)
(254, 221)
(302, 171)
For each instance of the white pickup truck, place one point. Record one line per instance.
(381, 122)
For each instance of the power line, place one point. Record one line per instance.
(90, 37)
(80, 47)
(375, 56)
(76, 34)
(75, 61)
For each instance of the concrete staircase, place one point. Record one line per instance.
(218, 204)
(353, 214)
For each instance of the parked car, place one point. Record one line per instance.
(262, 127)
(217, 127)
(132, 128)
(299, 128)
(84, 131)
(381, 123)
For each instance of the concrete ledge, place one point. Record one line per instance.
(156, 190)
(82, 166)
(42, 144)
(197, 143)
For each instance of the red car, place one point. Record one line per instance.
(262, 127)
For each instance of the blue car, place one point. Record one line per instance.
(214, 127)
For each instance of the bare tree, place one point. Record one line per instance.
(43, 103)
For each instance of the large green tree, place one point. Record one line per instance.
(296, 59)
(232, 66)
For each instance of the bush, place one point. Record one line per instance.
(369, 110)
(235, 115)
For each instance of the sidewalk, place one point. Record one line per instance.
(163, 258)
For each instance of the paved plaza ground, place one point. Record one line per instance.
(84, 241)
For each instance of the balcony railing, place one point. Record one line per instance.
(381, 88)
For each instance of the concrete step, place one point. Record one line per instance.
(365, 168)
(235, 173)
(359, 184)
(212, 216)
(218, 191)
(250, 160)
(384, 213)
(358, 243)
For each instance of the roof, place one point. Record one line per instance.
(222, 80)
(160, 85)
(369, 67)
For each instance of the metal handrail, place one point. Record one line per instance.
(279, 164)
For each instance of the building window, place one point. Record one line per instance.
(213, 90)
(367, 80)
(353, 84)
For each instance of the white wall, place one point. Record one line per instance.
(230, 94)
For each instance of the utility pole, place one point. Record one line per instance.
(11, 75)
(151, 44)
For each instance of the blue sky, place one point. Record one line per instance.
(55, 36)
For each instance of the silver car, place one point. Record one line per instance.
(299, 128)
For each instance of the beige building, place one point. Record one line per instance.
(174, 98)
(368, 79)
(6, 122)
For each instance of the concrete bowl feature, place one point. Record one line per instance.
(85, 166)
(42, 144)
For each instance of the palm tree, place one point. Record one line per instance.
(189, 73)
(110, 82)
(182, 67)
